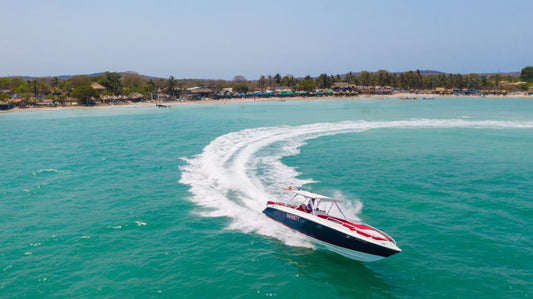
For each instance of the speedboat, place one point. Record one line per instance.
(312, 214)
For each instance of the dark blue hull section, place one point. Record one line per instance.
(326, 234)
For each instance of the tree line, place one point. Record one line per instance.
(79, 86)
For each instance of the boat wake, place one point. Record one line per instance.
(237, 173)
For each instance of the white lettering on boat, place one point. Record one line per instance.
(293, 217)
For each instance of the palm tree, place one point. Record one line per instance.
(262, 82)
(55, 82)
(171, 85)
(34, 86)
(112, 82)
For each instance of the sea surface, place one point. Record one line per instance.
(146, 203)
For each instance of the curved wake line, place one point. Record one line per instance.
(49, 170)
(237, 173)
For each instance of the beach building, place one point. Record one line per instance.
(225, 93)
(343, 87)
(198, 93)
(98, 87)
(5, 105)
(227, 90)
(136, 97)
(383, 90)
(46, 103)
(443, 91)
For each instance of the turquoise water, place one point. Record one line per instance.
(141, 202)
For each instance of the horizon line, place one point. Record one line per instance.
(198, 78)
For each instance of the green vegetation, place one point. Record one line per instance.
(241, 87)
(171, 85)
(112, 82)
(527, 74)
(307, 84)
(84, 94)
(111, 87)
(323, 81)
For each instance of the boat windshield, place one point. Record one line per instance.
(318, 204)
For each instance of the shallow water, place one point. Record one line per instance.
(147, 202)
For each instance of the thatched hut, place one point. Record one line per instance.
(98, 87)
(198, 93)
(136, 97)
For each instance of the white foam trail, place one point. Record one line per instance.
(49, 170)
(237, 173)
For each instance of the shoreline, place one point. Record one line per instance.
(403, 96)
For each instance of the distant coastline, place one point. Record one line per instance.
(170, 104)
(119, 89)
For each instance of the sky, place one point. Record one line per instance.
(223, 39)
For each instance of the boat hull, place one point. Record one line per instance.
(337, 241)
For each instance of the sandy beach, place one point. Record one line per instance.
(170, 104)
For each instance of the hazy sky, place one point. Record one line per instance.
(221, 39)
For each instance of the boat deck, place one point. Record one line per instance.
(359, 228)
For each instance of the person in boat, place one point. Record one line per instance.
(310, 205)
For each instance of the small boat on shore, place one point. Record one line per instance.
(311, 215)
